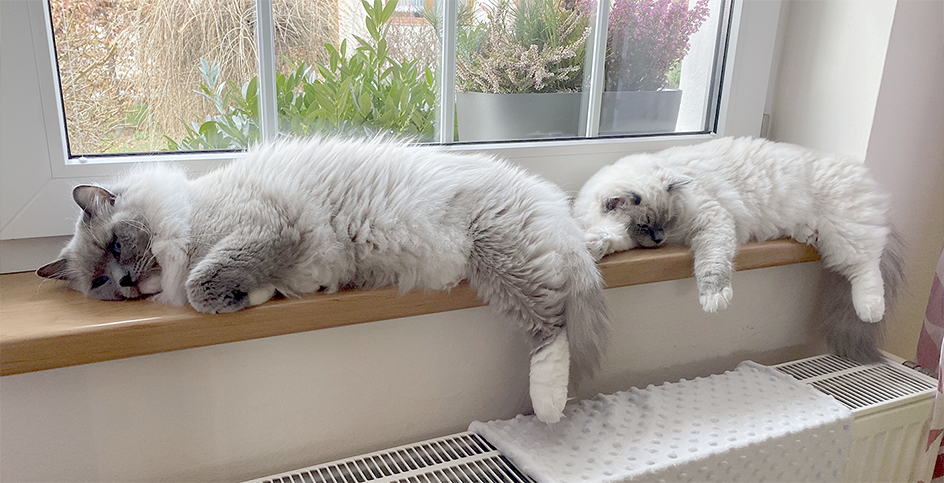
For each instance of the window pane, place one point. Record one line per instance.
(374, 69)
(659, 65)
(147, 75)
(166, 75)
(520, 69)
(523, 68)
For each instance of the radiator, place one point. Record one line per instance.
(891, 406)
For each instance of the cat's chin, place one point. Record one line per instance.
(647, 244)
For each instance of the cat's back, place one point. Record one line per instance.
(339, 169)
(744, 158)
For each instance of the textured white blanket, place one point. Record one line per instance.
(750, 424)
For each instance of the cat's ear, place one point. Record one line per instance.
(56, 269)
(677, 181)
(92, 199)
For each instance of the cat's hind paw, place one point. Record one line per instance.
(870, 309)
(714, 301)
(550, 373)
(548, 402)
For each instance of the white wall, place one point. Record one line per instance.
(830, 72)
(906, 153)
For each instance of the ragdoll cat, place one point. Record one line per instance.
(716, 195)
(301, 216)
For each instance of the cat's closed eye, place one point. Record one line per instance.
(99, 281)
(612, 203)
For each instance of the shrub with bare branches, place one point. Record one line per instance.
(92, 41)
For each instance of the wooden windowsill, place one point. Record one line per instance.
(44, 325)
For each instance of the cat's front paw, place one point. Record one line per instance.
(716, 299)
(214, 287)
(596, 245)
(212, 296)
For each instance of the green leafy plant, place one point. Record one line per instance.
(525, 47)
(359, 90)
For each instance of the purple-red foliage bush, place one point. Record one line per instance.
(646, 38)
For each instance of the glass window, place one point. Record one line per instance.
(143, 76)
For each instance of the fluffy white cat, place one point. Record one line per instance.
(302, 216)
(716, 195)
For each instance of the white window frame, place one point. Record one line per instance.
(48, 211)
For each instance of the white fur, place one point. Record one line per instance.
(261, 295)
(733, 191)
(549, 375)
(301, 216)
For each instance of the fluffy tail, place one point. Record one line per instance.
(846, 334)
(545, 294)
(587, 319)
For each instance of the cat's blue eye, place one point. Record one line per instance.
(98, 282)
(116, 247)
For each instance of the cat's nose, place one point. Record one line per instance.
(657, 235)
(126, 281)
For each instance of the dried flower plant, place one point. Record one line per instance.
(646, 39)
(173, 35)
(535, 46)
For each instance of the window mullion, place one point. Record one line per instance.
(445, 118)
(265, 43)
(592, 99)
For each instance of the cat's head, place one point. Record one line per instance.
(636, 196)
(109, 257)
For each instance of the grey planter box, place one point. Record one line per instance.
(640, 112)
(500, 117)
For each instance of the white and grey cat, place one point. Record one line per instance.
(301, 216)
(716, 195)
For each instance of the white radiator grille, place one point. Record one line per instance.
(462, 457)
(860, 387)
(891, 405)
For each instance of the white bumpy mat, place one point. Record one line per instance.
(750, 424)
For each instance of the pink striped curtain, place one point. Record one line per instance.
(930, 356)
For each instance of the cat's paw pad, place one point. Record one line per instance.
(716, 300)
(870, 309)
